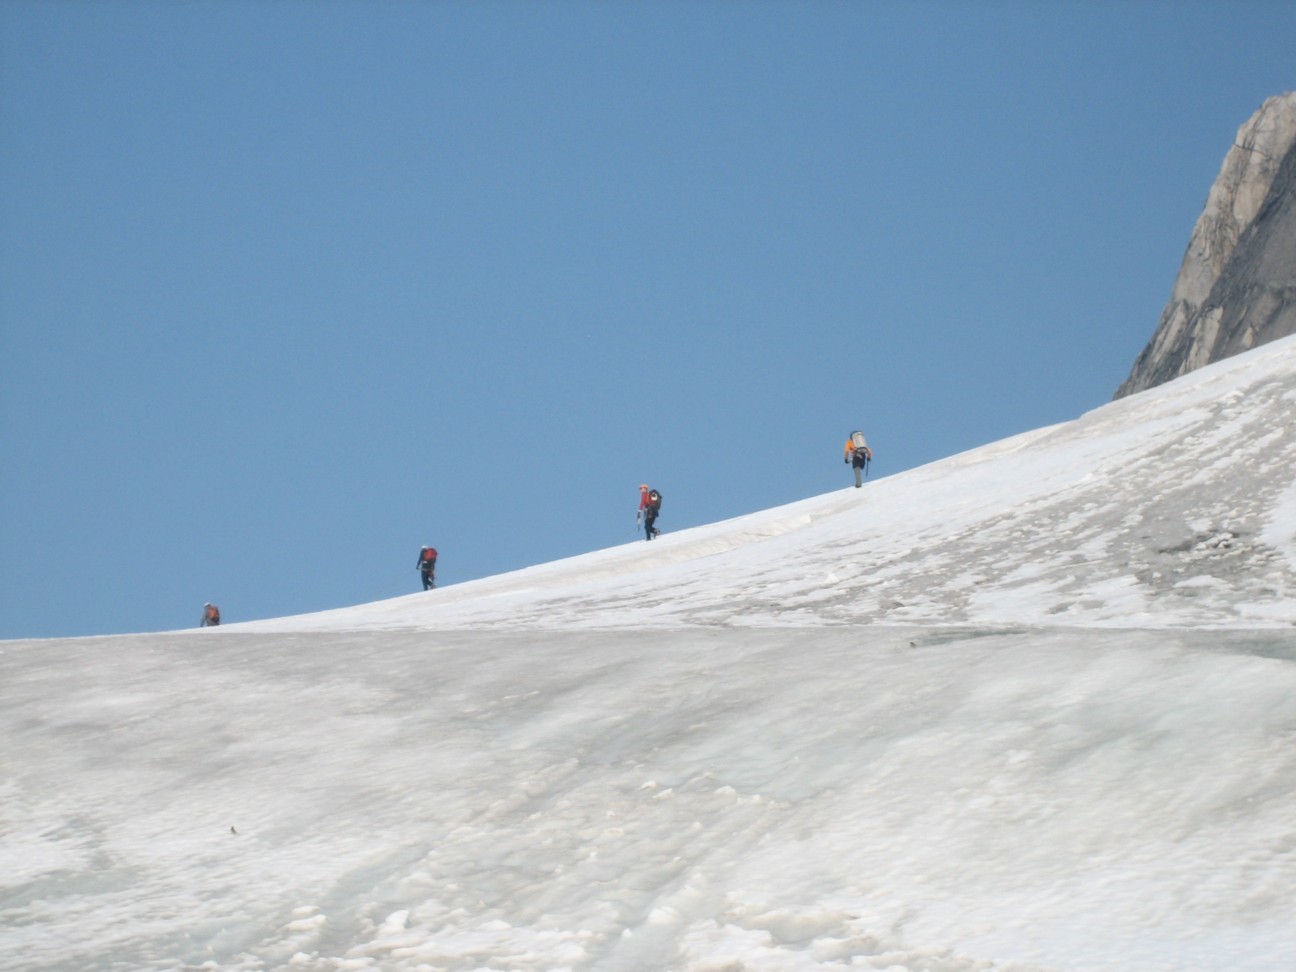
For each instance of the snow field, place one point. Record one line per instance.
(1172, 508)
(884, 798)
(1030, 709)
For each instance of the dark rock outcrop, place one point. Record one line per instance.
(1237, 286)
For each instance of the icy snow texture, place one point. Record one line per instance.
(1031, 709)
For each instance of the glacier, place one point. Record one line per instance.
(1028, 709)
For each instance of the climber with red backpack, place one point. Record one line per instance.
(427, 567)
(649, 507)
(858, 455)
(211, 616)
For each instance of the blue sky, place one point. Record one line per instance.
(290, 289)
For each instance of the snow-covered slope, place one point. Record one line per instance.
(1031, 709)
(1174, 507)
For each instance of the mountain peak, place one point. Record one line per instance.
(1236, 288)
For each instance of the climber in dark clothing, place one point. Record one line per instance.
(649, 508)
(427, 567)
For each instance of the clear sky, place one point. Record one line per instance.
(289, 289)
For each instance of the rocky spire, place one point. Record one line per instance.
(1237, 286)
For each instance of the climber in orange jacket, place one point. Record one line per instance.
(858, 455)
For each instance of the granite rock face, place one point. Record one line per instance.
(1237, 286)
